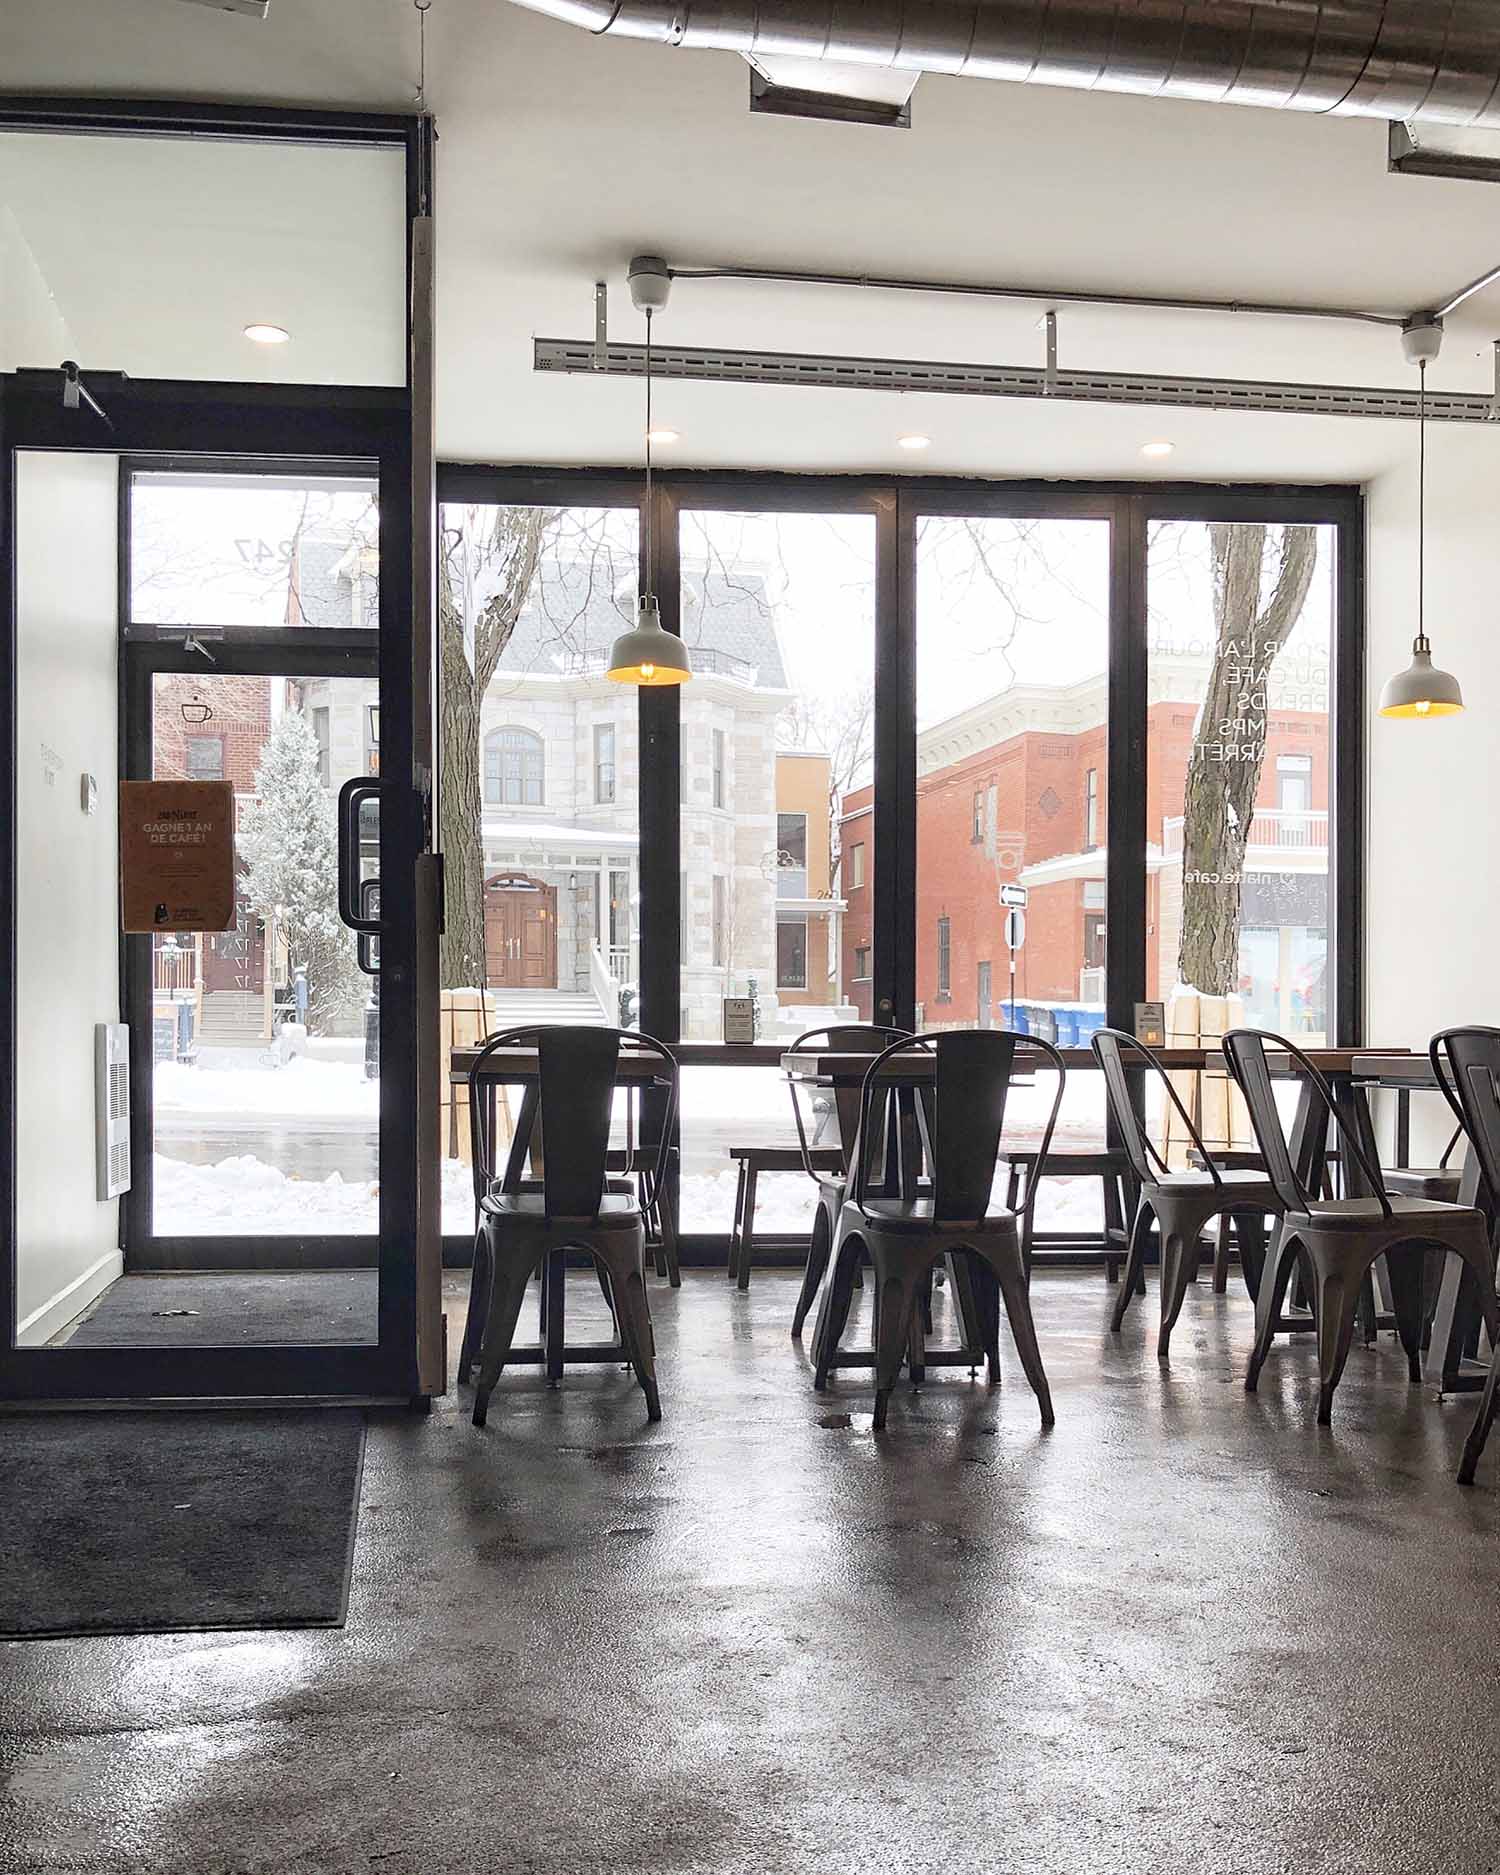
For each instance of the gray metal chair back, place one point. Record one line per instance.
(576, 1081)
(1245, 1051)
(1466, 1064)
(972, 1074)
(1110, 1047)
(854, 1038)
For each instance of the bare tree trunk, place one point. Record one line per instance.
(1230, 748)
(508, 557)
(463, 961)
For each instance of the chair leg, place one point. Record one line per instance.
(1280, 1264)
(1140, 1231)
(509, 1282)
(747, 1232)
(817, 1263)
(666, 1224)
(1406, 1266)
(1336, 1305)
(479, 1305)
(1010, 1274)
(1480, 1431)
(833, 1310)
(633, 1313)
(1250, 1236)
(1179, 1267)
(736, 1226)
(896, 1304)
(1221, 1257)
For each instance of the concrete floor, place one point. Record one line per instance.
(1184, 1631)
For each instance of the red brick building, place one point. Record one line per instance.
(1014, 790)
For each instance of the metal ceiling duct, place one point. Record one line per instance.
(1432, 61)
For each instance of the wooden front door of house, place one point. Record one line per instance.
(520, 933)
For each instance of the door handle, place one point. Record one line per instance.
(352, 797)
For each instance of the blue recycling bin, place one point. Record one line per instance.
(1090, 1021)
(1067, 1026)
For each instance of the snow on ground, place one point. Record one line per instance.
(244, 1196)
(301, 1089)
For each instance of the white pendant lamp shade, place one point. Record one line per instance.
(1420, 690)
(649, 655)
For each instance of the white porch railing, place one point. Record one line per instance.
(1272, 829)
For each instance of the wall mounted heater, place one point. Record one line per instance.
(112, 1108)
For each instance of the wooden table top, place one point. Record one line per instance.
(1366, 1064)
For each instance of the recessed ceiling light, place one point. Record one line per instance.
(267, 335)
(914, 442)
(663, 436)
(1157, 449)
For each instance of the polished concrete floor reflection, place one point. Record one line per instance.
(1184, 1631)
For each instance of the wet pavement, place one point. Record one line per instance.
(1186, 1630)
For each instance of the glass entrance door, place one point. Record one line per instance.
(211, 1198)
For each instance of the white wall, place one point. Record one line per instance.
(33, 330)
(67, 922)
(1432, 957)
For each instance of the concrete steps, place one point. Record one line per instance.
(232, 1019)
(513, 1009)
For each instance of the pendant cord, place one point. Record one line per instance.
(1422, 511)
(650, 504)
(421, 7)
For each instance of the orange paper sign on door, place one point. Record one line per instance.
(176, 855)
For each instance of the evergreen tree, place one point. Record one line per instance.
(288, 847)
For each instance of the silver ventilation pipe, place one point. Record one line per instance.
(1418, 61)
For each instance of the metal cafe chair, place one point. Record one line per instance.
(1466, 1066)
(1341, 1238)
(1181, 1204)
(524, 1223)
(855, 1038)
(904, 1236)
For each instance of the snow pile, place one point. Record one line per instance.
(245, 1197)
(303, 1088)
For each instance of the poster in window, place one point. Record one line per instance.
(176, 855)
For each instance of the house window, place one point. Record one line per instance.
(791, 953)
(720, 792)
(604, 763)
(856, 866)
(204, 758)
(1091, 810)
(945, 958)
(1294, 783)
(791, 856)
(1093, 940)
(619, 915)
(513, 768)
(976, 833)
(861, 959)
(721, 918)
(325, 758)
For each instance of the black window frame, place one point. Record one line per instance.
(898, 504)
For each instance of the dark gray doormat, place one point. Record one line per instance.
(150, 1522)
(216, 1309)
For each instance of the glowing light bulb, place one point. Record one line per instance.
(648, 671)
(1423, 708)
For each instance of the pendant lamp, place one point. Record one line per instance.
(1421, 690)
(649, 655)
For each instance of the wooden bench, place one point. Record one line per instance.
(1109, 1166)
(752, 1161)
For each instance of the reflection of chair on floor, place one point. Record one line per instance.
(524, 1223)
(1180, 1204)
(905, 1236)
(1338, 1240)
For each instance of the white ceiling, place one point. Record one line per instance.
(561, 155)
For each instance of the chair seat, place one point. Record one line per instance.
(916, 1214)
(1241, 1182)
(1361, 1213)
(1424, 1181)
(617, 1211)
